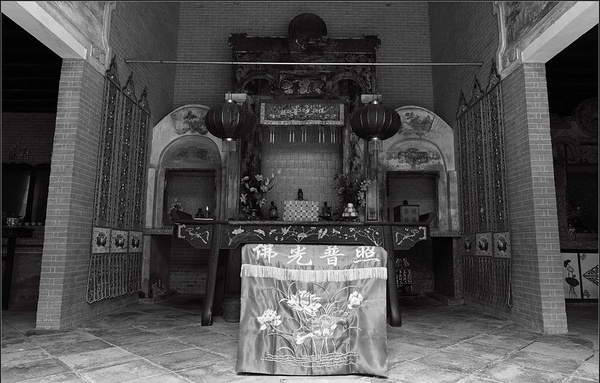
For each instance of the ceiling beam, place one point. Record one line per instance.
(35, 20)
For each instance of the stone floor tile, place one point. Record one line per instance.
(97, 358)
(256, 379)
(594, 358)
(180, 331)
(157, 347)
(130, 336)
(327, 379)
(181, 360)
(225, 349)
(60, 348)
(560, 351)
(513, 331)
(22, 345)
(204, 374)
(415, 372)
(22, 321)
(204, 339)
(69, 377)
(169, 344)
(21, 356)
(134, 369)
(501, 341)
(507, 372)
(51, 337)
(478, 379)
(488, 352)
(588, 370)
(532, 360)
(580, 380)
(399, 352)
(458, 362)
(33, 370)
(429, 340)
(166, 378)
(223, 368)
(12, 341)
(567, 340)
(160, 325)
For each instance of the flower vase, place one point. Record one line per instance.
(362, 213)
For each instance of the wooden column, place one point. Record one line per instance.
(373, 199)
(231, 184)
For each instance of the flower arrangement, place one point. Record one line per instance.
(254, 190)
(352, 189)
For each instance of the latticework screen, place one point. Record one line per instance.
(116, 263)
(485, 243)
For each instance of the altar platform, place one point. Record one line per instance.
(231, 235)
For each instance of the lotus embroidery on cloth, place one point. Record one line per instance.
(313, 310)
(317, 331)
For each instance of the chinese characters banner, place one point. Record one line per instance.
(313, 310)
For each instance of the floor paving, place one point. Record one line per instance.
(163, 342)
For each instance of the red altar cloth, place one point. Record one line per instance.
(313, 310)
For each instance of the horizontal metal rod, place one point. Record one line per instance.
(131, 61)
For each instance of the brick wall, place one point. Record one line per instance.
(470, 36)
(36, 130)
(138, 30)
(306, 166)
(66, 251)
(205, 27)
(147, 31)
(187, 268)
(537, 264)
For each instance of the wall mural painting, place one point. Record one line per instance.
(486, 239)
(116, 260)
(520, 23)
(521, 16)
(189, 120)
(417, 122)
(580, 275)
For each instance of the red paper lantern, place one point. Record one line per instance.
(375, 121)
(229, 121)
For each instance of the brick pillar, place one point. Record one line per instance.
(539, 301)
(67, 243)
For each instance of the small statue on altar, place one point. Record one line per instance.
(326, 212)
(199, 213)
(300, 195)
(273, 213)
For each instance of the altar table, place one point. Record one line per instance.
(229, 235)
(313, 310)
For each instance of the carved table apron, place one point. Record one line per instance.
(217, 235)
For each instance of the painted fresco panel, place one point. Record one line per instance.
(571, 276)
(588, 264)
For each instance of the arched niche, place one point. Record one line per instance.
(193, 163)
(424, 146)
(180, 141)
